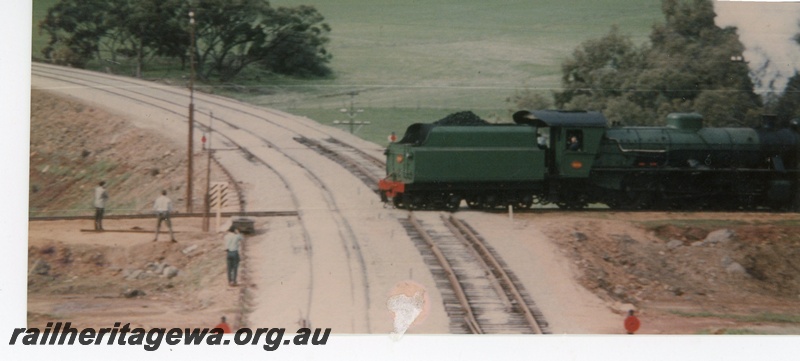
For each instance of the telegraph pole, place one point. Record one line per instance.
(191, 115)
(207, 206)
(352, 112)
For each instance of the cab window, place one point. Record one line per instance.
(543, 138)
(574, 140)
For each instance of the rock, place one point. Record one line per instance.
(672, 244)
(189, 250)
(131, 293)
(170, 272)
(155, 267)
(694, 233)
(698, 244)
(133, 274)
(41, 268)
(726, 261)
(720, 236)
(735, 268)
(580, 237)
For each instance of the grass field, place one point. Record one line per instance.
(414, 61)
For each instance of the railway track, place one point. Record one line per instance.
(259, 137)
(361, 165)
(268, 143)
(481, 295)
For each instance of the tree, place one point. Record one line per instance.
(788, 104)
(230, 34)
(233, 34)
(527, 98)
(297, 45)
(75, 28)
(598, 68)
(697, 61)
(151, 28)
(689, 65)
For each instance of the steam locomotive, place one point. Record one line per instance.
(574, 159)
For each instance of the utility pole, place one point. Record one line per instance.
(207, 206)
(191, 115)
(352, 112)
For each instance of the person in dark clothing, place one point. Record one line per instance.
(100, 198)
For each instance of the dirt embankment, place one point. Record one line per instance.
(718, 272)
(75, 146)
(96, 279)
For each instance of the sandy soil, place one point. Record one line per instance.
(661, 264)
(95, 279)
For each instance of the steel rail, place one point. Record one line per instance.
(498, 270)
(469, 316)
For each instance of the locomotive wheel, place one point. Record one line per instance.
(473, 203)
(574, 201)
(408, 201)
(490, 202)
(571, 205)
(452, 202)
(525, 203)
(416, 202)
(397, 200)
(635, 199)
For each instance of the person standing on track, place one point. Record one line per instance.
(232, 241)
(100, 198)
(163, 206)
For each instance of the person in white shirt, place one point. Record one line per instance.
(162, 206)
(232, 241)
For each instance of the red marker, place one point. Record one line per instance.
(224, 326)
(631, 323)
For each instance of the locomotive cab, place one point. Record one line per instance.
(574, 139)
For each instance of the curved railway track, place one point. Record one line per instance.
(480, 294)
(240, 130)
(366, 168)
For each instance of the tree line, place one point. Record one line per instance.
(689, 65)
(230, 35)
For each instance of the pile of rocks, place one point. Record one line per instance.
(152, 269)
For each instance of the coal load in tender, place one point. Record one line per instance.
(461, 118)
